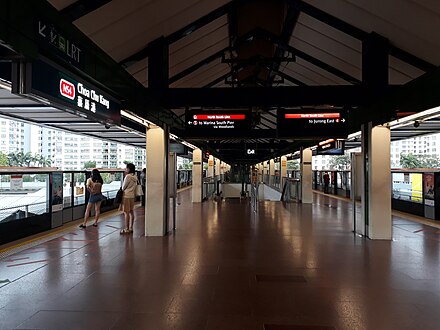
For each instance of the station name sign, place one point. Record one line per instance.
(297, 124)
(66, 90)
(216, 124)
(58, 43)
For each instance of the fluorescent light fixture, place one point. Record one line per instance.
(427, 114)
(353, 136)
(5, 85)
(136, 118)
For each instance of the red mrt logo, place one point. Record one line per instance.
(67, 89)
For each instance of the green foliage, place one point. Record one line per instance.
(80, 178)
(3, 159)
(90, 164)
(186, 166)
(107, 177)
(293, 164)
(420, 161)
(22, 159)
(340, 162)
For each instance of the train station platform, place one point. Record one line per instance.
(289, 266)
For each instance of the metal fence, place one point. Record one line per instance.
(291, 190)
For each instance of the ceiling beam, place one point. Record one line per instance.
(328, 19)
(183, 32)
(81, 8)
(411, 59)
(197, 66)
(349, 95)
(288, 27)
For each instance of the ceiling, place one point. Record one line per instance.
(23, 109)
(262, 44)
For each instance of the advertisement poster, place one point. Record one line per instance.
(57, 192)
(16, 182)
(428, 185)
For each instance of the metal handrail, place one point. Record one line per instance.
(254, 196)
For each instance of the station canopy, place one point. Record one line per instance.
(217, 57)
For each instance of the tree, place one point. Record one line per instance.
(340, 162)
(419, 161)
(293, 165)
(90, 164)
(3, 159)
(410, 161)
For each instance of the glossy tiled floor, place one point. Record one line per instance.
(288, 267)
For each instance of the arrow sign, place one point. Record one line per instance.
(189, 122)
(343, 120)
(41, 28)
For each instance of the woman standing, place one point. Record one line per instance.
(127, 205)
(94, 186)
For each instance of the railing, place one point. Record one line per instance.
(254, 196)
(23, 211)
(412, 195)
(209, 187)
(291, 190)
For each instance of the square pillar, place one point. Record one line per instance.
(306, 176)
(197, 174)
(378, 199)
(156, 201)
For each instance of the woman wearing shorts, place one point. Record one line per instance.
(127, 204)
(94, 186)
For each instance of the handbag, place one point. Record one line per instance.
(139, 191)
(119, 195)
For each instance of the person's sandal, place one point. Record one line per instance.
(82, 226)
(95, 225)
(124, 231)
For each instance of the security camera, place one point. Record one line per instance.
(416, 123)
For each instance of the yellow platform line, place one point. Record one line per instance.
(52, 233)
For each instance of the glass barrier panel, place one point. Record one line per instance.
(23, 196)
(407, 186)
(112, 183)
(79, 189)
(339, 179)
(67, 190)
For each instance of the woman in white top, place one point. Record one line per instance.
(127, 204)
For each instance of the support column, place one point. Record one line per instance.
(378, 184)
(156, 201)
(271, 172)
(217, 167)
(283, 170)
(211, 166)
(266, 172)
(306, 176)
(197, 173)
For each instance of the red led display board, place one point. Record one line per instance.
(323, 124)
(207, 124)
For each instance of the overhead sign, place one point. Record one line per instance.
(59, 43)
(331, 147)
(298, 124)
(66, 90)
(217, 124)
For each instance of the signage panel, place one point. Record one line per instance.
(66, 90)
(217, 123)
(298, 124)
(331, 147)
(59, 44)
